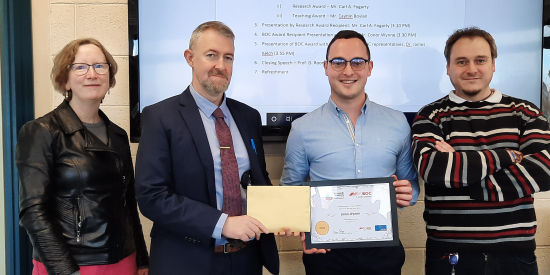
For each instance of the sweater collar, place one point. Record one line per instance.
(494, 98)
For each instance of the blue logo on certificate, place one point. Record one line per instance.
(380, 228)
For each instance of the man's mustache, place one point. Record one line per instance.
(217, 72)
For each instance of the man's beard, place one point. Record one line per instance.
(471, 92)
(467, 92)
(212, 87)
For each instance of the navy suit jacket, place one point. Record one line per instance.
(175, 183)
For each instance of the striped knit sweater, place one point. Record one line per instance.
(477, 200)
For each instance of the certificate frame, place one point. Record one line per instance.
(355, 244)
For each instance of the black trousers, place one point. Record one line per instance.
(483, 264)
(357, 261)
(243, 262)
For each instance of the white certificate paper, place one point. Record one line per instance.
(353, 215)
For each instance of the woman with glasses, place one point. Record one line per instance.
(76, 188)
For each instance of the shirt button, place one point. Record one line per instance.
(359, 171)
(357, 144)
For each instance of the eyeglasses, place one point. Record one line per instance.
(357, 64)
(82, 68)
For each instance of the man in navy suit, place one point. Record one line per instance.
(179, 170)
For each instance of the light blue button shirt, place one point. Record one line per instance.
(206, 108)
(321, 146)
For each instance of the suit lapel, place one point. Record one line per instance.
(190, 114)
(246, 133)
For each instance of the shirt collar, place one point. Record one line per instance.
(205, 105)
(336, 110)
(494, 98)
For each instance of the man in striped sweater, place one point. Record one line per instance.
(482, 155)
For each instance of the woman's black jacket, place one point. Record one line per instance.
(76, 194)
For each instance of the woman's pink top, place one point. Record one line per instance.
(125, 267)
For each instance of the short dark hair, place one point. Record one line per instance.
(347, 34)
(470, 32)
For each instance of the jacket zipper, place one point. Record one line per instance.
(124, 194)
(79, 222)
(120, 235)
(118, 230)
(78, 229)
(120, 169)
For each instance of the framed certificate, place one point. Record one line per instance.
(353, 213)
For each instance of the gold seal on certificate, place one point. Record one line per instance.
(321, 228)
(352, 213)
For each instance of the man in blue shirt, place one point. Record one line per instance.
(351, 137)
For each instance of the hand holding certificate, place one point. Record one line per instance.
(342, 213)
(353, 213)
(404, 192)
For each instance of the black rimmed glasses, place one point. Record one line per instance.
(82, 68)
(357, 64)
